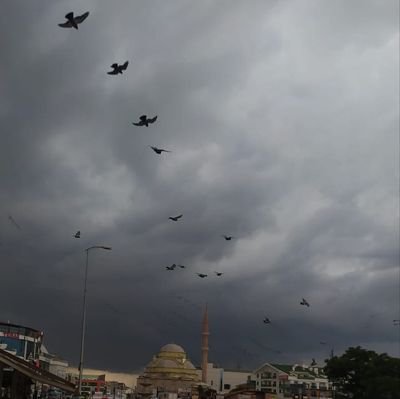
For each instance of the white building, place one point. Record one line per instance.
(224, 380)
(288, 381)
(53, 363)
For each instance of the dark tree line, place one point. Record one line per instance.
(364, 374)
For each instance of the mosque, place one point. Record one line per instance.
(171, 372)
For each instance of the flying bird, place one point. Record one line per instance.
(158, 150)
(77, 234)
(172, 267)
(118, 68)
(323, 343)
(175, 218)
(304, 303)
(267, 321)
(145, 121)
(73, 22)
(227, 238)
(182, 266)
(201, 275)
(12, 220)
(219, 273)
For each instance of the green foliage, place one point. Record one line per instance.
(363, 374)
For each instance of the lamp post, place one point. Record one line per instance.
(84, 313)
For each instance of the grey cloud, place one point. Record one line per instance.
(281, 119)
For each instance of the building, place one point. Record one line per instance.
(52, 363)
(23, 342)
(92, 384)
(18, 376)
(170, 371)
(118, 390)
(128, 379)
(27, 343)
(223, 381)
(103, 384)
(292, 381)
(23, 347)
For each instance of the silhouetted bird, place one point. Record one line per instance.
(322, 343)
(175, 218)
(12, 220)
(118, 68)
(267, 321)
(77, 234)
(219, 273)
(182, 266)
(73, 22)
(201, 275)
(313, 363)
(145, 121)
(158, 150)
(304, 303)
(227, 238)
(172, 267)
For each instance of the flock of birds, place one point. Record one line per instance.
(144, 120)
(117, 69)
(303, 302)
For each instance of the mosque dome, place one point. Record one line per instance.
(189, 365)
(172, 348)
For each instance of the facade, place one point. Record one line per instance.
(128, 379)
(52, 363)
(292, 381)
(223, 380)
(23, 342)
(118, 390)
(170, 371)
(92, 384)
(99, 384)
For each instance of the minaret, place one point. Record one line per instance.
(204, 347)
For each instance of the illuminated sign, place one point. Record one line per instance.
(11, 335)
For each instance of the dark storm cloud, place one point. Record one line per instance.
(281, 119)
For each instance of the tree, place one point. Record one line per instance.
(364, 374)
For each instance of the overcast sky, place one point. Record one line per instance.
(283, 121)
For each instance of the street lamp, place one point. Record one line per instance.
(84, 313)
